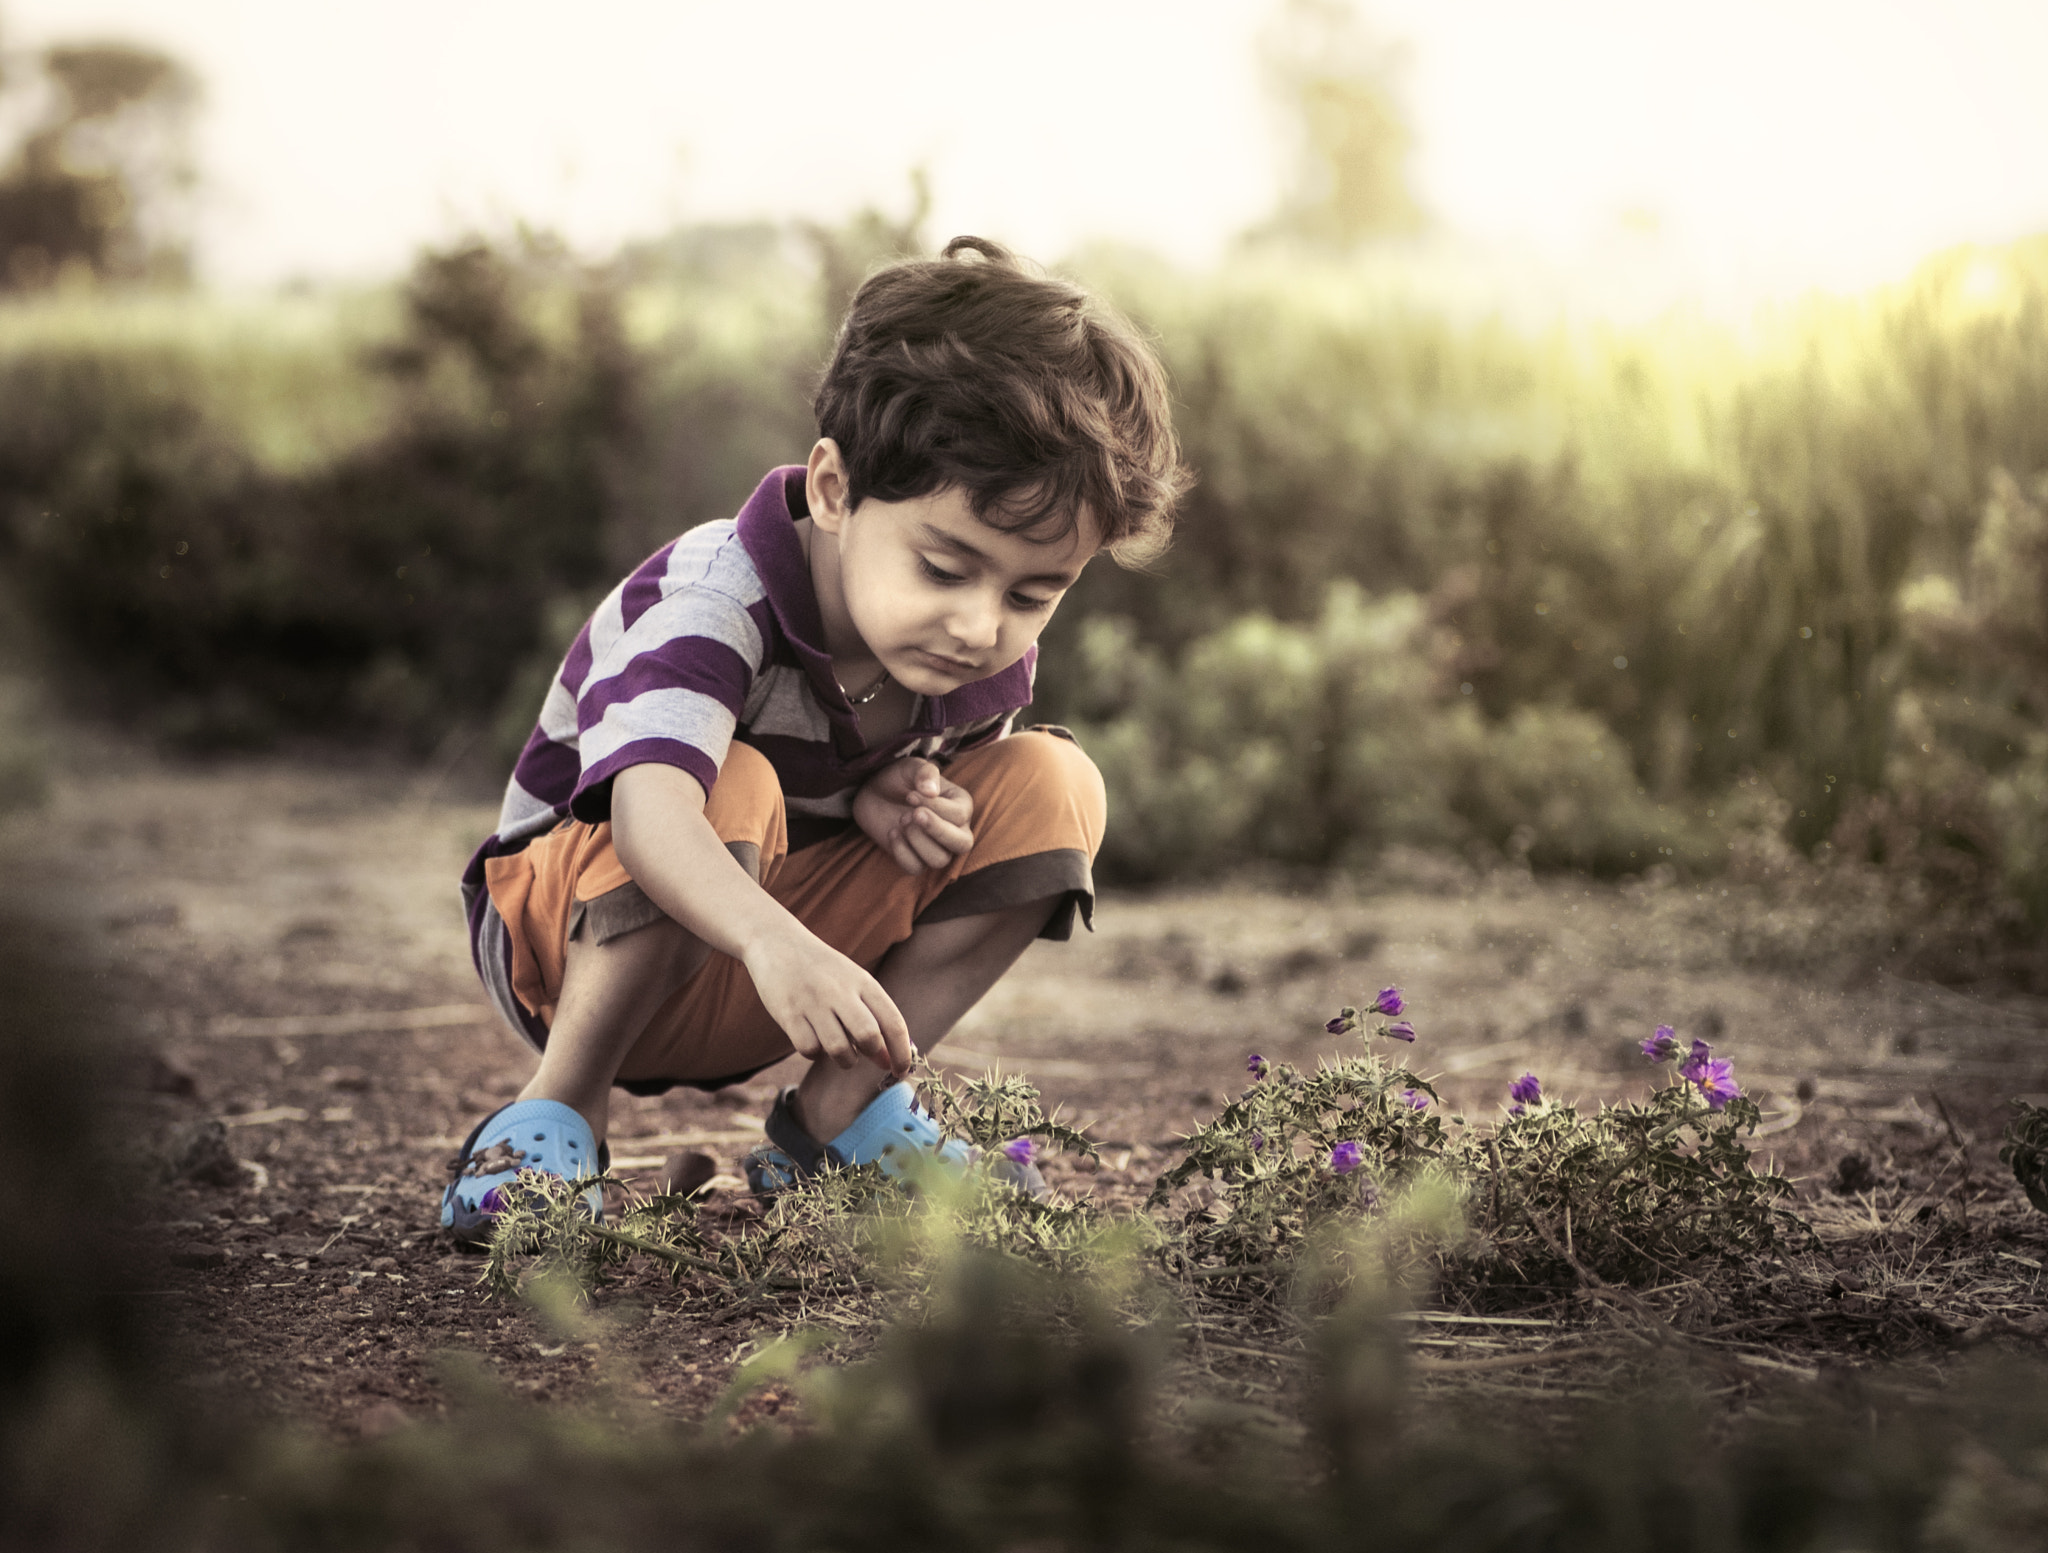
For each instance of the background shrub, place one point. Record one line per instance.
(1670, 562)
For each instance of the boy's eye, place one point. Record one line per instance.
(938, 573)
(1026, 601)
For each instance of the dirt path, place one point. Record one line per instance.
(287, 940)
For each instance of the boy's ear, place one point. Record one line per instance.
(826, 487)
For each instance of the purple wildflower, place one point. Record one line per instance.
(1403, 1031)
(1662, 1046)
(1714, 1079)
(1258, 1141)
(1415, 1099)
(1347, 1019)
(1346, 1157)
(1018, 1151)
(1368, 1193)
(492, 1201)
(1388, 1002)
(1255, 1065)
(1526, 1091)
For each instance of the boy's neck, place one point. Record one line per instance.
(853, 663)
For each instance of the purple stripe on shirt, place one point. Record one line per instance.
(808, 769)
(593, 799)
(576, 666)
(643, 589)
(791, 632)
(699, 663)
(546, 769)
(767, 527)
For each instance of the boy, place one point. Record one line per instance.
(774, 801)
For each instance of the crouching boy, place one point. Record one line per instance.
(774, 800)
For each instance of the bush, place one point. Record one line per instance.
(1319, 744)
(383, 591)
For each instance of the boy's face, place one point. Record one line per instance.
(938, 597)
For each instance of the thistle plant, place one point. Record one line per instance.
(1299, 1161)
(545, 1230)
(998, 1113)
(1631, 1191)
(833, 1229)
(1297, 1150)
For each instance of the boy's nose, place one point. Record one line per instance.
(975, 623)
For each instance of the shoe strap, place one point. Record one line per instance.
(787, 1134)
(892, 1117)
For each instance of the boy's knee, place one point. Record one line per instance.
(1040, 768)
(1058, 760)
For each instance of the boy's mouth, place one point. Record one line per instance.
(946, 665)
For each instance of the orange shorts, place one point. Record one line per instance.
(1039, 811)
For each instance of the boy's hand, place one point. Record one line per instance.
(914, 814)
(827, 1005)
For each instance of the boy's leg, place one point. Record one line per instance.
(651, 1005)
(596, 987)
(609, 992)
(1038, 820)
(935, 976)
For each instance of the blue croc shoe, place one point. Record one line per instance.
(891, 1132)
(525, 1135)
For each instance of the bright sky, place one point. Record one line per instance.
(1777, 144)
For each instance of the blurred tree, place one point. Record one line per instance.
(869, 239)
(1338, 86)
(103, 179)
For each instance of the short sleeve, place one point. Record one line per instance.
(665, 689)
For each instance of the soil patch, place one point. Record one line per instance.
(285, 939)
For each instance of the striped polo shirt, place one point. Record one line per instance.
(716, 637)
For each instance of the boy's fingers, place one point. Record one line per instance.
(805, 1039)
(895, 1033)
(821, 1044)
(932, 849)
(954, 838)
(929, 852)
(901, 850)
(955, 804)
(838, 1047)
(865, 1033)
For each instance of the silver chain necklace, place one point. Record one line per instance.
(866, 695)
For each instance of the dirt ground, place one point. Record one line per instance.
(284, 938)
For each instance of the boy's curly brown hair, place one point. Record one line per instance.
(977, 370)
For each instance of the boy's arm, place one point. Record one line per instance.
(826, 1004)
